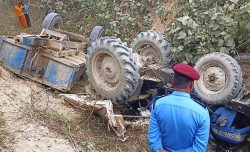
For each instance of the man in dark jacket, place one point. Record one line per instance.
(26, 13)
(50, 9)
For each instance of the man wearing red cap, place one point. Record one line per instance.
(177, 122)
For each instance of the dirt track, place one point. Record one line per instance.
(24, 134)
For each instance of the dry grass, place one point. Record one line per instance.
(88, 132)
(9, 24)
(3, 132)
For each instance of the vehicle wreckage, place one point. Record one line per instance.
(129, 77)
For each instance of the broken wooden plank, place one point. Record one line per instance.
(53, 33)
(72, 36)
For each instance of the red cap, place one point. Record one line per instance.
(186, 70)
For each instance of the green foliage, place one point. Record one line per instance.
(161, 11)
(205, 26)
(121, 18)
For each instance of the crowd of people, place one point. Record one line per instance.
(21, 11)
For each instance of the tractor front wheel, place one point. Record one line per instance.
(220, 78)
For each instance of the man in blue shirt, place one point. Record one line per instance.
(177, 122)
(26, 13)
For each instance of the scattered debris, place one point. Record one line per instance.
(104, 109)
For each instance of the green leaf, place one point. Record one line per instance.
(183, 19)
(175, 30)
(220, 42)
(223, 33)
(217, 33)
(182, 35)
(215, 16)
(223, 49)
(230, 43)
(247, 26)
(234, 1)
(215, 27)
(180, 47)
(231, 7)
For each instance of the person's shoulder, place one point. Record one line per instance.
(199, 107)
(163, 99)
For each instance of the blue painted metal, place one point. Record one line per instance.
(26, 70)
(13, 56)
(228, 132)
(1, 41)
(32, 40)
(58, 73)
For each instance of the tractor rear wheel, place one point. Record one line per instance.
(220, 78)
(52, 21)
(112, 69)
(243, 60)
(153, 45)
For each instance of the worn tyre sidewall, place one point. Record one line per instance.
(159, 42)
(51, 20)
(97, 32)
(243, 57)
(114, 95)
(107, 50)
(233, 74)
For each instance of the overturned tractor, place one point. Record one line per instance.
(128, 75)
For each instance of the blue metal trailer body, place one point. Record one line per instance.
(226, 130)
(13, 56)
(32, 62)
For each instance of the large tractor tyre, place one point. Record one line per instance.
(97, 32)
(243, 60)
(220, 78)
(112, 69)
(154, 45)
(52, 21)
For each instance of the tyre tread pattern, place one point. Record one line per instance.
(97, 32)
(50, 19)
(159, 41)
(129, 67)
(235, 80)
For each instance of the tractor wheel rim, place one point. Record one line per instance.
(106, 70)
(56, 26)
(213, 78)
(150, 52)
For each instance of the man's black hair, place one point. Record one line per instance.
(181, 81)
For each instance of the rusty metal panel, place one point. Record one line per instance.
(59, 75)
(13, 56)
(31, 40)
(29, 69)
(32, 62)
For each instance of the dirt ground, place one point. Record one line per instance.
(21, 131)
(30, 125)
(25, 134)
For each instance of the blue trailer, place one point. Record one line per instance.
(49, 58)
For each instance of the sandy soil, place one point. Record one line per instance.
(23, 133)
